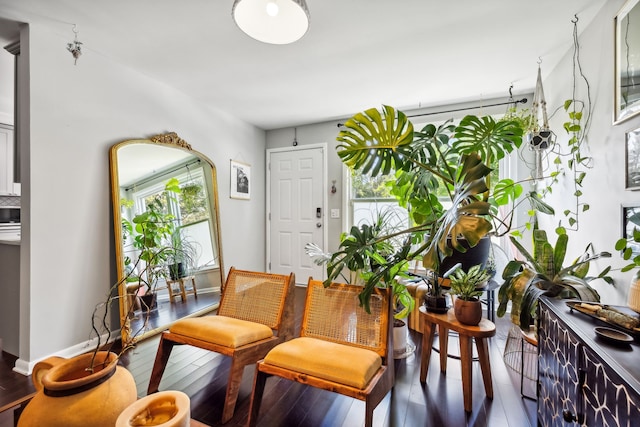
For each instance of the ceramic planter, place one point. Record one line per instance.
(633, 300)
(400, 338)
(436, 304)
(468, 312)
(69, 395)
(164, 409)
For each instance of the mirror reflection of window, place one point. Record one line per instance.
(190, 207)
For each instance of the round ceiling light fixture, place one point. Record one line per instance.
(272, 21)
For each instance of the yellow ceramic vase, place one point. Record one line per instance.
(69, 395)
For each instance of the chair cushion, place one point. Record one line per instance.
(339, 363)
(222, 330)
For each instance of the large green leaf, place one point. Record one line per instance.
(493, 139)
(376, 142)
(559, 253)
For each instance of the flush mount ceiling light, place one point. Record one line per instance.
(272, 21)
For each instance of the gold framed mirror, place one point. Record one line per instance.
(166, 233)
(627, 62)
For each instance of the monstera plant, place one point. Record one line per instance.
(446, 161)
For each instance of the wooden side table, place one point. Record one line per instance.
(479, 333)
(182, 290)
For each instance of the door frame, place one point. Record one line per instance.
(325, 198)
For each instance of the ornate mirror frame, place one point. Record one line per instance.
(214, 276)
(627, 62)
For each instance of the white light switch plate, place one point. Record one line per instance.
(335, 213)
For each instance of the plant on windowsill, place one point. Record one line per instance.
(182, 255)
(467, 287)
(447, 160)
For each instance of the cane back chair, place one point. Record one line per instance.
(341, 348)
(255, 314)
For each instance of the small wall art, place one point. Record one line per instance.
(632, 156)
(631, 220)
(240, 180)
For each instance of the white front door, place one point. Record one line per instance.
(295, 210)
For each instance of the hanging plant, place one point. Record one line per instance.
(577, 126)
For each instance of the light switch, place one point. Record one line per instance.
(335, 213)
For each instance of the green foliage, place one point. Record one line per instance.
(375, 143)
(543, 274)
(403, 301)
(152, 231)
(465, 284)
(450, 161)
(625, 245)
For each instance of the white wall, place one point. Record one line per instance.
(604, 185)
(77, 113)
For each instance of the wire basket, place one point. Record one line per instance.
(517, 351)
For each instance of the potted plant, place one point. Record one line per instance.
(403, 304)
(467, 286)
(182, 255)
(543, 274)
(438, 161)
(152, 231)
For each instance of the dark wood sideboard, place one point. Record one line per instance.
(583, 379)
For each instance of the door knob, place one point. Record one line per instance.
(318, 224)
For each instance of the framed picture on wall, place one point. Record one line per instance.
(631, 220)
(627, 62)
(632, 156)
(240, 180)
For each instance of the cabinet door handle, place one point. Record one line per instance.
(568, 416)
(582, 379)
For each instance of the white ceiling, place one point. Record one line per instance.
(357, 53)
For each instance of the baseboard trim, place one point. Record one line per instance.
(25, 367)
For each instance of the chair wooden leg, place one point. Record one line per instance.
(368, 415)
(159, 365)
(259, 381)
(233, 387)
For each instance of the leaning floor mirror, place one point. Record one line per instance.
(166, 233)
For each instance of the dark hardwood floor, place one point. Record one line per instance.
(203, 375)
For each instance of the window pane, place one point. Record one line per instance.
(193, 202)
(366, 187)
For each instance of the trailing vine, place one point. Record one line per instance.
(577, 126)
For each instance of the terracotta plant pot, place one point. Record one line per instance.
(468, 312)
(69, 395)
(164, 409)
